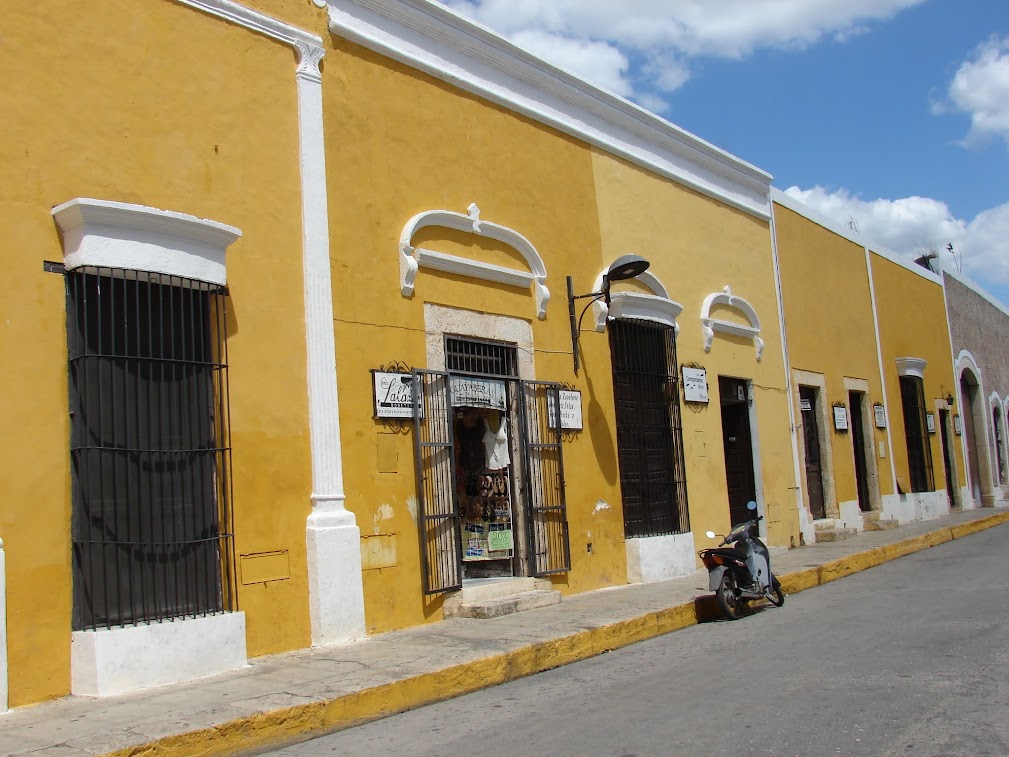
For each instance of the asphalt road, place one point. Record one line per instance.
(909, 658)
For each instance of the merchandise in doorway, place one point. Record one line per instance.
(483, 485)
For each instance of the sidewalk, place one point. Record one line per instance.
(291, 697)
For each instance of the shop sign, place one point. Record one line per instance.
(500, 540)
(957, 427)
(695, 385)
(930, 422)
(571, 410)
(805, 405)
(880, 416)
(840, 418)
(393, 395)
(477, 392)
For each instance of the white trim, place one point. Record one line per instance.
(106, 234)
(656, 307)
(431, 38)
(796, 206)
(411, 258)
(123, 659)
(910, 366)
(882, 374)
(965, 361)
(710, 325)
(336, 593)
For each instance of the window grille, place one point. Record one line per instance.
(653, 481)
(480, 357)
(919, 451)
(150, 457)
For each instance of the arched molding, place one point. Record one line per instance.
(965, 361)
(710, 325)
(656, 307)
(911, 366)
(411, 258)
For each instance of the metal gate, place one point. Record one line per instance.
(440, 538)
(549, 548)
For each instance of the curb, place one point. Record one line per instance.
(278, 728)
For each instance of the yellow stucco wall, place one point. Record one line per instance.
(912, 323)
(152, 103)
(830, 329)
(697, 246)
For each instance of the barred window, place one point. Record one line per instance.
(653, 482)
(919, 451)
(151, 522)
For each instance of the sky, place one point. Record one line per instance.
(888, 116)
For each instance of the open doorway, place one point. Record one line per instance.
(811, 444)
(737, 444)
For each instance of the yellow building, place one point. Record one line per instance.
(868, 342)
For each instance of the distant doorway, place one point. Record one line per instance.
(737, 445)
(947, 461)
(856, 404)
(811, 438)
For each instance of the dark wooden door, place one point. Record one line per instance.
(947, 463)
(739, 477)
(811, 437)
(858, 442)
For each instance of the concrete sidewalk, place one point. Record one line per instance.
(285, 698)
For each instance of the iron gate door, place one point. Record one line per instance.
(546, 511)
(440, 538)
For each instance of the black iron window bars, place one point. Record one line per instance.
(150, 448)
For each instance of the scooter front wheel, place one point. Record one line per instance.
(776, 595)
(732, 604)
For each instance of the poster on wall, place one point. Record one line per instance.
(957, 428)
(571, 410)
(840, 418)
(695, 384)
(880, 414)
(930, 422)
(393, 394)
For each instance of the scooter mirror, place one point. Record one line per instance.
(751, 505)
(710, 534)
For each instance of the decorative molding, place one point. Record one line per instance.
(656, 307)
(411, 258)
(450, 47)
(257, 22)
(309, 59)
(710, 325)
(911, 366)
(107, 234)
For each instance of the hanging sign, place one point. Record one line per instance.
(840, 418)
(477, 392)
(930, 422)
(957, 427)
(880, 416)
(805, 405)
(393, 395)
(571, 410)
(695, 384)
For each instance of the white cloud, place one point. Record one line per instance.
(911, 224)
(664, 34)
(980, 88)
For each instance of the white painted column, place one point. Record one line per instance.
(336, 592)
(4, 685)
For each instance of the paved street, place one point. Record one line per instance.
(908, 658)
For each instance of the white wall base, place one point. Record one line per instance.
(113, 661)
(850, 515)
(966, 500)
(4, 686)
(335, 588)
(906, 508)
(806, 528)
(656, 558)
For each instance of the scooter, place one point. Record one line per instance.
(741, 572)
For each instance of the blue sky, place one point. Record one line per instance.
(892, 115)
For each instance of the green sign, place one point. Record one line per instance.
(500, 540)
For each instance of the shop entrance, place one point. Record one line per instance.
(737, 444)
(490, 474)
(811, 437)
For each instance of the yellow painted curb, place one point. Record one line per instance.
(291, 724)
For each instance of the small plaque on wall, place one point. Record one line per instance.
(957, 427)
(840, 418)
(695, 384)
(880, 415)
(930, 422)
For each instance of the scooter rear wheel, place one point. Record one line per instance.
(732, 604)
(776, 596)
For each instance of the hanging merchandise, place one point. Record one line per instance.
(496, 445)
(482, 461)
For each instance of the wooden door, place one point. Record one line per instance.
(739, 477)
(811, 437)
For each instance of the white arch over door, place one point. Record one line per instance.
(710, 325)
(658, 306)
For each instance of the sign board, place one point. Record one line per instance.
(498, 541)
(695, 385)
(393, 395)
(880, 414)
(478, 392)
(840, 418)
(805, 405)
(957, 428)
(571, 410)
(930, 422)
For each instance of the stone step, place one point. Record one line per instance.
(483, 589)
(495, 608)
(880, 524)
(823, 524)
(835, 534)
